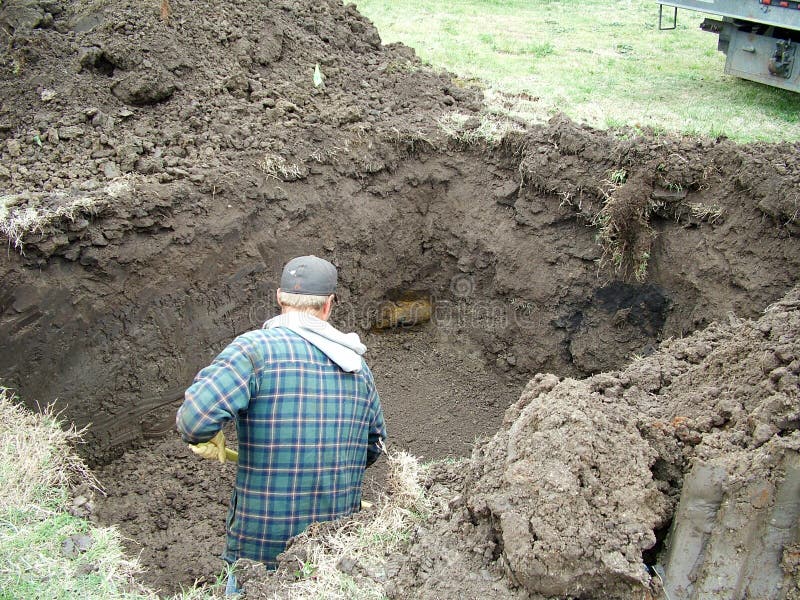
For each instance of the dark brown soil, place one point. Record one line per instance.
(171, 506)
(204, 157)
(577, 492)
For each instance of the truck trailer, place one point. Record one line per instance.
(760, 38)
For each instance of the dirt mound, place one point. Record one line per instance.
(170, 508)
(565, 495)
(578, 491)
(92, 92)
(602, 458)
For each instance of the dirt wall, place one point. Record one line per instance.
(118, 333)
(159, 168)
(189, 154)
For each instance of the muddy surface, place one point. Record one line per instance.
(159, 168)
(686, 463)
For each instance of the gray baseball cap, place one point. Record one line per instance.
(310, 276)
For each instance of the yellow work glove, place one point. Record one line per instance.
(213, 448)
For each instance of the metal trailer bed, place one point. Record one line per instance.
(760, 38)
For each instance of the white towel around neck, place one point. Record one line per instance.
(345, 349)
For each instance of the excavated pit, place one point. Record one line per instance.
(498, 291)
(187, 155)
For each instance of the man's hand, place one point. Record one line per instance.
(213, 448)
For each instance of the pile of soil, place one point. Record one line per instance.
(94, 91)
(159, 168)
(581, 493)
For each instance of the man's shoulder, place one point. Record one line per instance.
(269, 340)
(366, 373)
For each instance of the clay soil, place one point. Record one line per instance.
(175, 161)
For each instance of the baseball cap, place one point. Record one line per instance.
(310, 276)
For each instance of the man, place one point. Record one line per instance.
(307, 414)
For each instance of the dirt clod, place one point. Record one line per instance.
(585, 493)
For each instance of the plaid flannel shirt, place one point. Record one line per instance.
(306, 431)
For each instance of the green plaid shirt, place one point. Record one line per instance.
(306, 431)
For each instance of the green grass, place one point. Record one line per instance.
(37, 465)
(602, 62)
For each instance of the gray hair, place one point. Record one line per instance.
(302, 301)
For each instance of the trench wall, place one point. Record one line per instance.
(115, 332)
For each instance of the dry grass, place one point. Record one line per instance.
(412, 140)
(24, 214)
(38, 463)
(276, 167)
(37, 466)
(469, 130)
(704, 212)
(404, 482)
(364, 543)
(18, 220)
(623, 228)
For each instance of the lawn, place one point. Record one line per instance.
(602, 62)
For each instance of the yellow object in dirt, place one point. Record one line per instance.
(403, 313)
(207, 450)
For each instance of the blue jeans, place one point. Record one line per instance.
(232, 587)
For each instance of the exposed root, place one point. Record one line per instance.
(624, 230)
(471, 130)
(276, 167)
(18, 220)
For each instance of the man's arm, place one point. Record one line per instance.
(377, 427)
(377, 434)
(219, 392)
